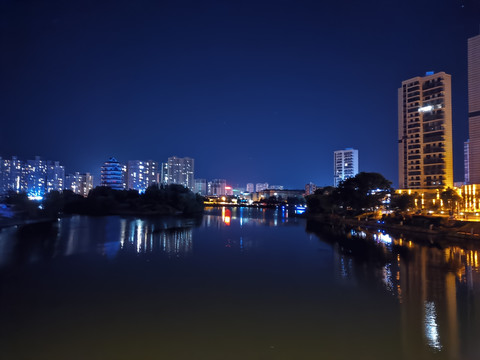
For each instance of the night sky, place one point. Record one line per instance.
(254, 91)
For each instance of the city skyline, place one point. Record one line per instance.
(39, 176)
(227, 84)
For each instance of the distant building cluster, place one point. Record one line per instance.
(38, 177)
(219, 187)
(35, 177)
(215, 187)
(140, 174)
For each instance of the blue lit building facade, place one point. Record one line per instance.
(34, 177)
(141, 174)
(113, 174)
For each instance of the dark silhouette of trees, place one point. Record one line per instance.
(402, 202)
(170, 199)
(364, 192)
(323, 201)
(22, 206)
(165, 200)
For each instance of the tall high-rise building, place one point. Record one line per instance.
(345, 165)
(5, 170)
(425, 132)
(466, 161)
(201, 186)
(71, 182)
(112, 174)
(164, 174)
(17, 175)
(55, 176)
(35, 177)
(474, 107)
(79, 183)
(86, 183)
(250, 188)
(180, 171)
(141, 174)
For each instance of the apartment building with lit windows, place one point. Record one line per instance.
(79, 183)
(425, 132)
(345, 165)
(141, 174)
(181, 171)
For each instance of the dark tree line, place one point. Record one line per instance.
(166, 200)
(364, 192)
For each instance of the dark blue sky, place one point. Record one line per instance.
(255, 91)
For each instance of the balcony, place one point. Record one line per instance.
(433, 84)
(433, 149)
(434, 161)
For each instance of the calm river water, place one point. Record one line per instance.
(238, 283)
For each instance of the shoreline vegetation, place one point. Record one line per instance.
(170, 200)
(359, 201)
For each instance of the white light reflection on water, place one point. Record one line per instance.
(383, 238)
(123, 232)
(431, 327)
(388, 279)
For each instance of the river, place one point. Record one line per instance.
(237, 283)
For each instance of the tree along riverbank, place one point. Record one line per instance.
(101, 201)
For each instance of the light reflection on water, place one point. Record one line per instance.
(106, 236)
(431, 327)
(436, 284)
(262, 256)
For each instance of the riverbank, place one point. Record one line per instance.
(437, 229)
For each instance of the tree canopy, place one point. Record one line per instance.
(364, 192)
